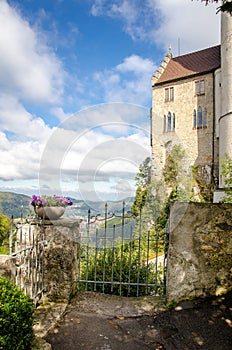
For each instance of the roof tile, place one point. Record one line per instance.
(193, 63)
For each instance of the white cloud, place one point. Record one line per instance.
(163, 22)
(197, 26)
(110, 147)
(129, 81)
(19, 160)
(123, 8)
(28, 68)
(136, 65)
(100, 144)
(134, 15)
(59, 113)
(16, 119)
(94, 152)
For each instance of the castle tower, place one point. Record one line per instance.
(225, 121)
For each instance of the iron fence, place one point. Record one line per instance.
(27, 247)
(121, 254)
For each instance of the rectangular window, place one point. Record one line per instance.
(169, 94)
(166, 94)
(200, 87)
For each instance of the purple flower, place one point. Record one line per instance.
(50, 201)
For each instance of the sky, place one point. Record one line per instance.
(75, 89)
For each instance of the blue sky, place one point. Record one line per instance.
(75, 78)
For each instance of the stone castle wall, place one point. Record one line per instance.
(198, 143)
(200, 251)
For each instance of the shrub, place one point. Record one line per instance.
(227, 178)
(4, 228)
(16, 317)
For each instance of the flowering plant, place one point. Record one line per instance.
(50, 201)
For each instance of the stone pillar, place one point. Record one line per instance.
(61, 258)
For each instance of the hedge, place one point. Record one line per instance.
(16, 317)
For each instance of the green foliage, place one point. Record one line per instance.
(142, 180)
(4, 228)
(154, 206)
(182, 182)
(226, 5)
(4, 248)
(16, 317)
(173, 169)
(227, 178)
(123, 263)
(205, 193)
(143, 177)
(140, 200)
(126, 262)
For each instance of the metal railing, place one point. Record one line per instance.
(120, 255)
(27, 246)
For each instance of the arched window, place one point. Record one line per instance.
(205, 117)
(194, 119)
(169, 121)
(199, 119)
(165, 123)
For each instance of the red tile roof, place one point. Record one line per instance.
(203, 61)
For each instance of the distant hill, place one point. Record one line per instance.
(16, 204)
(80, 207)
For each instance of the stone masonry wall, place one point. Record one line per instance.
(197, 142)
(200, 252)
(60, 261)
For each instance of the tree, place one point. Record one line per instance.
(4, 228)
(143, 179)
(173, 169)
(225, 7)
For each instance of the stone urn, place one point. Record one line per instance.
(49, 213)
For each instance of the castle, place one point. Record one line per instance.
(192, 106)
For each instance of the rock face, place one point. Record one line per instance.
(199, 258)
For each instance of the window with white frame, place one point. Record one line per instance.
(169, 94)
(200, 87)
